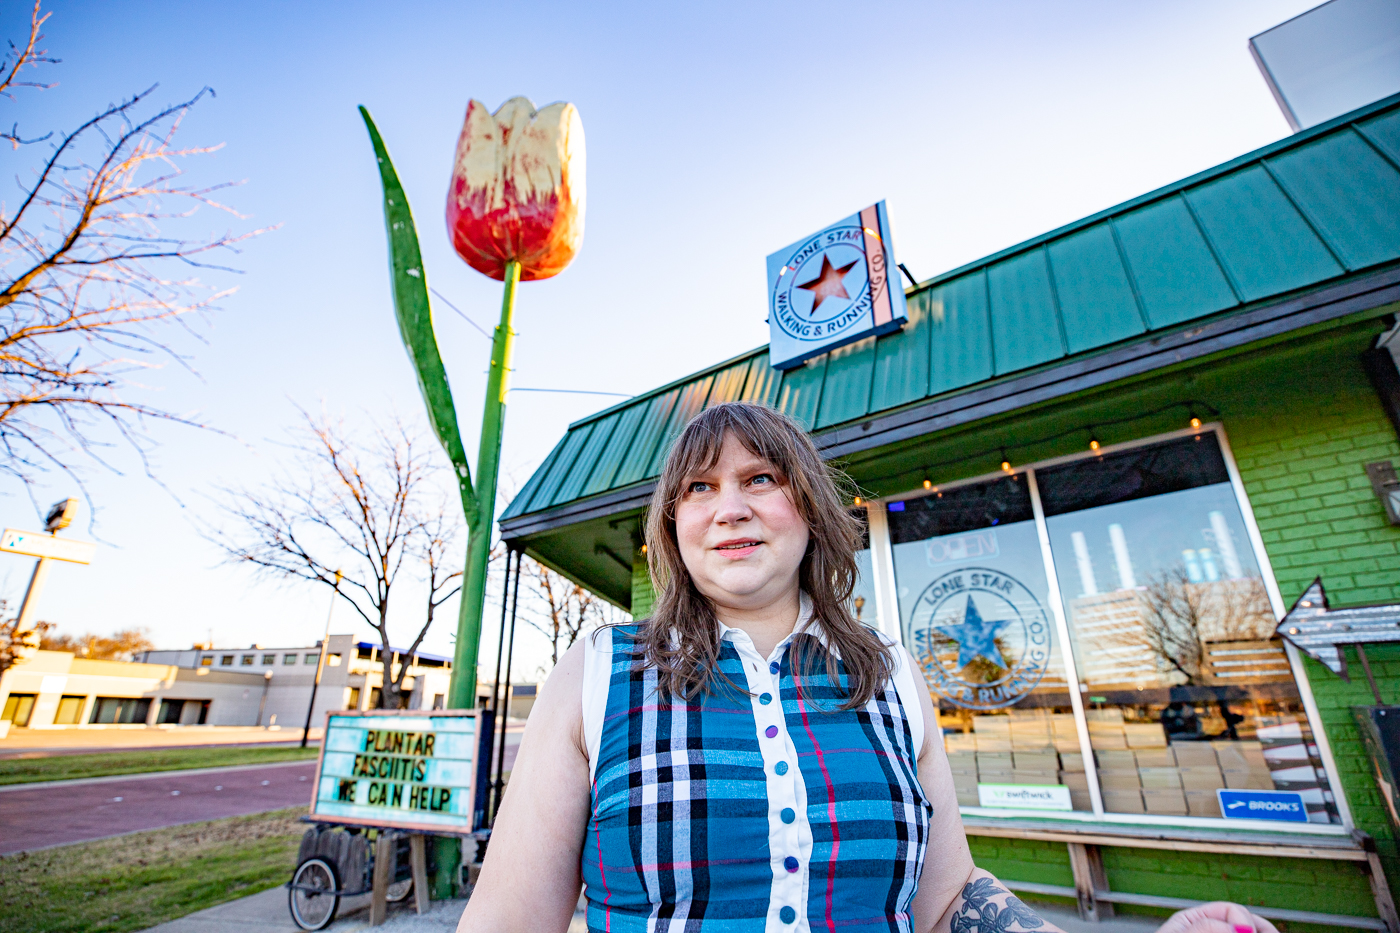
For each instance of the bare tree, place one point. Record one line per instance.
(86, 290)
(1179, 617)
(438, 550)
(16, 645)
(562, 609)
(119, 646)
(360, 508)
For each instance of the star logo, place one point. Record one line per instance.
(976, 637)
(828, 283)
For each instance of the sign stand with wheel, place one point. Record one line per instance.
(395, 775)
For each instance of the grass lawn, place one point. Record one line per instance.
(136, 881)
(138, 761)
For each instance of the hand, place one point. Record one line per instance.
(1216, 917)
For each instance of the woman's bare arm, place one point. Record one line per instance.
(530, 879)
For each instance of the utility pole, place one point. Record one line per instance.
(320, 661)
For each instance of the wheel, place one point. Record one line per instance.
(312, 897)
(399, 890)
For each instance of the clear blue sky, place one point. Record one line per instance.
(716, 133)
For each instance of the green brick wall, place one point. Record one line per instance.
(642, 593)
(1312, 423)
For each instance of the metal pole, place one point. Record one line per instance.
(499, 721)
(501, 641)
(31, 595)
(462, 689)
(262, 704)
(510, 659)
(320, 662)
(1370, 679)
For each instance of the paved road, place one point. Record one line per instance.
(63, 812)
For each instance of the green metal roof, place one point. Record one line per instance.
(1320, 205)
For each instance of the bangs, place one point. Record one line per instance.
(700, 444)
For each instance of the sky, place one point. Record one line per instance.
(716, 134)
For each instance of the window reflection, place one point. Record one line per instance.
(974, 609)
(1186, 690)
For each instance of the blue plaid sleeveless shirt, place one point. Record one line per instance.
(735, 814)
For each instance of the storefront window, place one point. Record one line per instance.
(974, 609)
(1185, 689)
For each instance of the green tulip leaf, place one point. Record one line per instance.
(415, 316)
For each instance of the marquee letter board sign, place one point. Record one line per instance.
(835, 287)
(402, 769)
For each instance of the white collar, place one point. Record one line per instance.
(805, 625)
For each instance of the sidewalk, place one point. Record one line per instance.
(267, 913)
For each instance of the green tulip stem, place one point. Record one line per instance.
(461, 693)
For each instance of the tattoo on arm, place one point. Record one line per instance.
(979, 914)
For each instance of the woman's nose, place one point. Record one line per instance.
(732, 506)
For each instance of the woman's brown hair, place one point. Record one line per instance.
(681, 639)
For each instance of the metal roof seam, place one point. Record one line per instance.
(574, 441)
(1371, 141)
(987, 306)
(1132, 276)
(1214, 250)
(1055, 298)
(1307, 219)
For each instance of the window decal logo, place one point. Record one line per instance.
(981, 637)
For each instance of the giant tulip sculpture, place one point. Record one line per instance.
(514, 212)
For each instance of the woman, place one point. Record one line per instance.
(751, 758)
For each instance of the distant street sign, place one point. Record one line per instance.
(1281, 805)
(39, 544)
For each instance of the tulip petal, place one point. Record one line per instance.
(517, 190)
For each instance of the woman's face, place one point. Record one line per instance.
(740, 535)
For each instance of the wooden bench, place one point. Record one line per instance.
(1091, 891)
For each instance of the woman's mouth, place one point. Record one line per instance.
(738, 548)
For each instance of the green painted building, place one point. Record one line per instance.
(1128, 445)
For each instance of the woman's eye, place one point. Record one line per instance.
(762, 479)
(699, 487)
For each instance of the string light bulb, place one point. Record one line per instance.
(858, 500)
(928, 484)
(644, 548)
(1094, 443)
(1006, 466)
(1195, 422)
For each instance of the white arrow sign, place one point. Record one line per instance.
(39, 544)
(1319, 631)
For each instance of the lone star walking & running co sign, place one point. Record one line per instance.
(835, 287)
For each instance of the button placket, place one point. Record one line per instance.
(794, 885)
(789, 841)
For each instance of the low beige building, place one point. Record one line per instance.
(253, 686)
